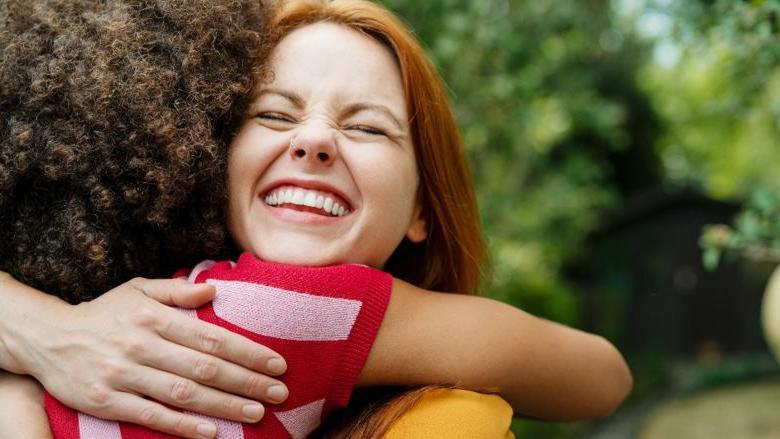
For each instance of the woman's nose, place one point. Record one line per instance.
(314, 147)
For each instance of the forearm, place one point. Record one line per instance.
(550, 371)
(543, 369)
(22, 413)
(24, 311)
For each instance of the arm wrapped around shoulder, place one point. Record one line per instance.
(545, 370)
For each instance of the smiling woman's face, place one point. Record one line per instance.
(336, 96)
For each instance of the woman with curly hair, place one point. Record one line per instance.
(115, 121)
(450, 261)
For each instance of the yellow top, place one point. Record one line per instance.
(455, 414)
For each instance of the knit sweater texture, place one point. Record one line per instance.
(321, 320)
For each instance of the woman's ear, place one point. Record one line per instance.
(417, 231)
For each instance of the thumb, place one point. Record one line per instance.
(178, 292)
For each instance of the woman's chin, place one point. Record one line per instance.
(305, 259)
(292, 250)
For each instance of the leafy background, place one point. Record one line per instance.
(579, 116)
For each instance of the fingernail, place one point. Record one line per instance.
(276, 365)
(277, 393)
(207, 430)
(253, 411)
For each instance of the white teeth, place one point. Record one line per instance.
(298, 197)
(303, 197)
(310, 199)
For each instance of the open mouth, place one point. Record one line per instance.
(307, 200)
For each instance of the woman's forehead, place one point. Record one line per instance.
(330, 57)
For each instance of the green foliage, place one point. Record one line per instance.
(755, 234)
(545, 97)
(570, 108)
(719, 102)
(723, 118)
(565, 114)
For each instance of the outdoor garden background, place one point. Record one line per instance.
(603, 136)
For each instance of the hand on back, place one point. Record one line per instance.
(116, 356)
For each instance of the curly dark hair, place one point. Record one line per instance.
(115, 120)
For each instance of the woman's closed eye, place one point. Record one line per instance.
(367, 129)
(275, 119)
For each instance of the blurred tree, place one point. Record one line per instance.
(555, 124)
(568, 109)
(719, 99)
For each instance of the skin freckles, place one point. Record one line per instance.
(332, 120)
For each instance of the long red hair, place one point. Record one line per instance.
(453, 258)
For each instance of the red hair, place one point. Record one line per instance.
(453, 256)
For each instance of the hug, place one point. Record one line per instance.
(309, 148)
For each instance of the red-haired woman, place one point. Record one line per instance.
(304, 122)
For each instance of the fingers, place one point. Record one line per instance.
(178, 292)
(200, 336)
(219, 342)
(131, 408)
(213, 372)
(204, 353)
(189, 395)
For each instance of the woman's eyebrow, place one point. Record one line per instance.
(293, 97)
(362, 106)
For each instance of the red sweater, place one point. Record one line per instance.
(323, 321)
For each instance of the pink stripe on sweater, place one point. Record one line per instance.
(225, 429)
(228, 429)
(198, 269)
(91, 427)
(284, 314)
(301, 421)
